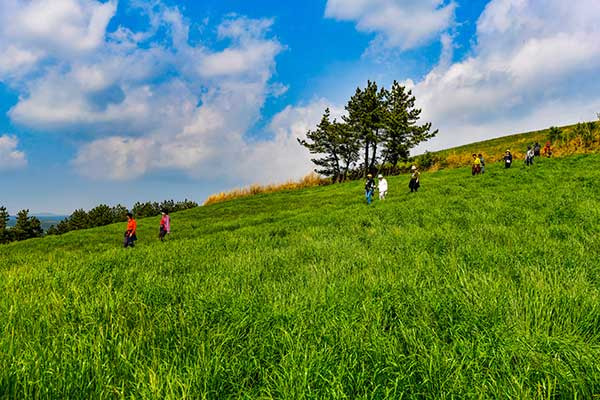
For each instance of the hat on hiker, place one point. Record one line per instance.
(413, 167)
(379, 176)
(369, 176)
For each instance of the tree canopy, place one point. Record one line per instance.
(380, 123)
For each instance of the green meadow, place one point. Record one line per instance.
(474, 287)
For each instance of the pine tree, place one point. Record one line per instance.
(119, 213)
(365, 117)
(400, 121)
(26, 227)
(323, 142)
(348, 147)
(100, 215)
(4, 231)
(79, 220)
(35, 228)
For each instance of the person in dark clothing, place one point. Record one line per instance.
(508, 158)
(482, 162)
(414, 183)
(369, 188)
(537, 149)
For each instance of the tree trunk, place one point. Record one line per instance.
(373, 157)
(367, 145)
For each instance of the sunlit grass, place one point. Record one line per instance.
(474, 287)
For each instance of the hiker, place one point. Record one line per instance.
(536, 149)
(529, 156)
(548, 149)
(482, 162)
(507, 159)
(130, 236)
(369, 188)
(382, 187)
(165, 225)
(414, 183)
(476, 168)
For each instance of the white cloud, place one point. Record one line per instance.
(525, 72)
(403, 24)
(34, 30)
(165, 105)
(10, 157)
(282, 157)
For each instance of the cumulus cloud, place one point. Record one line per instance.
(403, 24)
(33, 30)
(163, 105)
(524, 72)
(10, 157)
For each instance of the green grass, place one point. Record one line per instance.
(516, 143)
(475, 287)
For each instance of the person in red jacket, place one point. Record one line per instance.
(130, 233)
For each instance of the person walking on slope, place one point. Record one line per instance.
(165, 225)
(529, 156)
(414, 183)
(536, 149)
(507, 159)
(476, 168)
(130, 233)
(382, 187)
(369, 188)
(482, 162)
(548, 149)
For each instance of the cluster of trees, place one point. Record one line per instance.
(105, 215)
(26, 227)
(381, 127)
(587, 132)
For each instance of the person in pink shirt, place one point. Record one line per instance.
(165, 225)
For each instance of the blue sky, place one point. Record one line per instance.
(118, 101)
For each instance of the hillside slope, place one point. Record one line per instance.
(485, 287)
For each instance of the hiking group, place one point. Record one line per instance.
(131, 232)
(477, 168)
(382, 185)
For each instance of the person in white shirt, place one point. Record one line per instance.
(382, 187)
(529, 156)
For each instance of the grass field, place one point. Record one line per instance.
(475, 287)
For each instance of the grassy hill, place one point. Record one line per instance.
(582, 138)
(516, 143)
(475, 287)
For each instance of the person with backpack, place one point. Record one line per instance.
(414, 183)
(529, 156)
(165, 225)
(369, 188)
(536, 149)
(382, 187)
(476, 167)
(508, 158)
(482, 161)
(130, 233)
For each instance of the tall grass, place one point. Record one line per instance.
(307, 181)
(474, 287)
